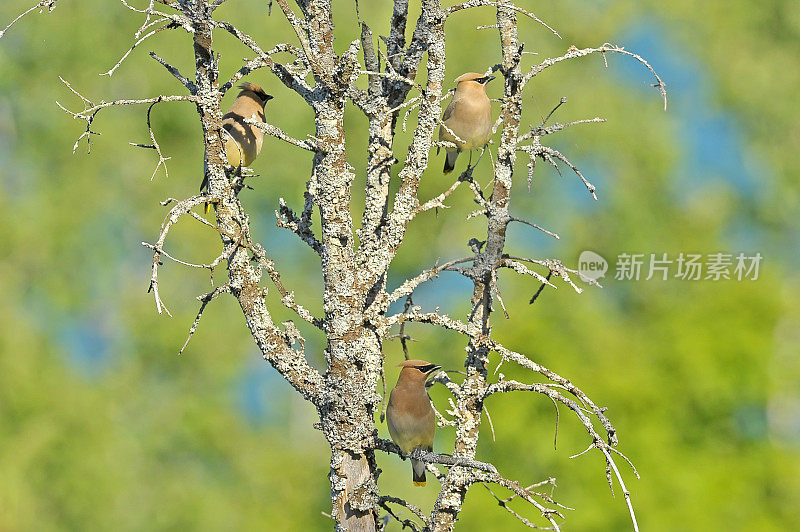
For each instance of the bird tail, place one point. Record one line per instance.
(418, 468)
(450, 161)
(203, 186)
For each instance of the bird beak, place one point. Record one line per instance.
(487, 79)
(430, 369)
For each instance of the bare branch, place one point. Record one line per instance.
(556, 267)
(535, 226)
(481, 3)
(503, 503)
(383, 500)
(438, 201)
(541, 287)
(287, 298)
(154, 146)
(204, 300)
(434, 458)
(548, 154)
(574, 52)
(410, 285)
(284, 74)
(523, 493)
(179, 210)
(178, 18)
(520, 268)
(287, 219)
(140, 40)
(91, 109)
(300, 28)
(189, 84)
(275, 131)
(300, 69)
(50, 5)
(597, 441)
(541, 130)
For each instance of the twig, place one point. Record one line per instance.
(535, 226)
(541, 130)
(41, 5)
(435, 458)
(410, 285)
(503, 503)
(278, 133)
(284, 74)
(204, 300)
(182, 208)
(140, 40)
(574, 52)
(541, 287)
(186, 82)
(91, 109)
(383, 501)
(403, 336)
(287, 219)
(154, 146)
(481, 3)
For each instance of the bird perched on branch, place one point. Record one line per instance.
(409, 415)
(467, 121)
(243, 141)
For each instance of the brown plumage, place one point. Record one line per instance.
(469, 116)
(242, 141)
(409, 415)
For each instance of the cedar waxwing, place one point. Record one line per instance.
(409, 414)
(243, 141)
(469, 116)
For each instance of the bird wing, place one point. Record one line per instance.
(449, 111)
(414, 425)
(444, 134)
(243, 135)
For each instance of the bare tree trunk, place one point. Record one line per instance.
(469, 406)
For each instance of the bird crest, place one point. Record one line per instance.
(255, 89)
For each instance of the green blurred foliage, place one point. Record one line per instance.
(102, 426)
